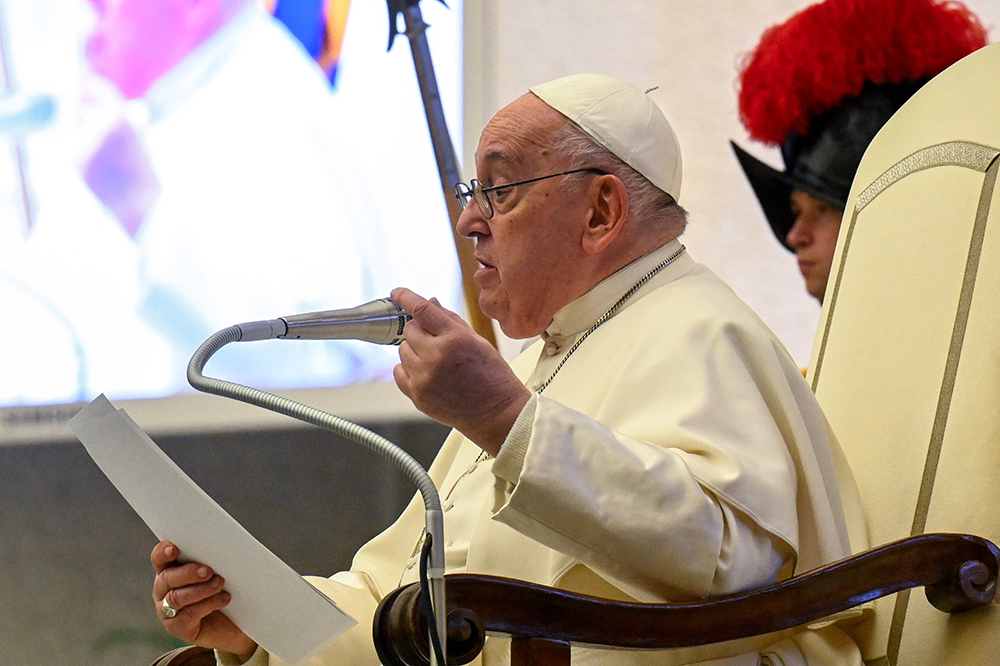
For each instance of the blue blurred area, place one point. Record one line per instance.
(306, 19)
(22, 112)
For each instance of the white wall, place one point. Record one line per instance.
(690, 50)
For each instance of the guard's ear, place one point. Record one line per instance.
(609, 210)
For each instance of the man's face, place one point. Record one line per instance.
(137, 41)
(814, 239)
(530, 251)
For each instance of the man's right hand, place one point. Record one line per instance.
(454, 375)
(197, 595)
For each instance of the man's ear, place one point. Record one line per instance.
(608, 213)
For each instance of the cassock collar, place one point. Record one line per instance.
(582, 313)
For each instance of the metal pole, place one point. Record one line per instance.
(444, 151)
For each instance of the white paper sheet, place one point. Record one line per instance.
(270, 602)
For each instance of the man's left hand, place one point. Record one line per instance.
(455, 376)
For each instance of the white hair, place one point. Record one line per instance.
(651, 207)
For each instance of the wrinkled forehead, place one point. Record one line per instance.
(521, 136)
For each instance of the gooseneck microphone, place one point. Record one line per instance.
(380, 321)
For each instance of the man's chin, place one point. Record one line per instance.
(488, 306)
(519, 330)
(816, 290)
(494, 311)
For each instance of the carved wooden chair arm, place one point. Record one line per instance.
(958, 572)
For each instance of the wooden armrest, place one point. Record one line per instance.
(958, 572)
(191, 655)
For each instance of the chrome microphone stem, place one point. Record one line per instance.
(380, 321)
(434, 524)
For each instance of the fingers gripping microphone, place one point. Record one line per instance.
(380, 321)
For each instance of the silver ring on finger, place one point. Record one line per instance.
(165, 608)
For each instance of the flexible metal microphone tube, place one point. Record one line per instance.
(433, 514)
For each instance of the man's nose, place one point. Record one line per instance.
(472, 222)
(800, 234)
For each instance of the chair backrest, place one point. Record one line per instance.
(907, 357)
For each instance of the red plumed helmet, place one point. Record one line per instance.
(828, 51)
(822, 84)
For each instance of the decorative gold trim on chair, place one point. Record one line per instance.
(956, 153)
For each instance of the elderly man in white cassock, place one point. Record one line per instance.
(656, 443)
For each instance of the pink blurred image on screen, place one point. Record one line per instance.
(198, 168)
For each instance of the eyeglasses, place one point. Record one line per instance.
(465, 193)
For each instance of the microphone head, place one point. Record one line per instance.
(380, 321)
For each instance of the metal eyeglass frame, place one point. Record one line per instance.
(465, 193)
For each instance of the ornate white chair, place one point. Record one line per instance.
(907, 359)
(907, 367)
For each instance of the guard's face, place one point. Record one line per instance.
(814, 239)
(530, 249)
